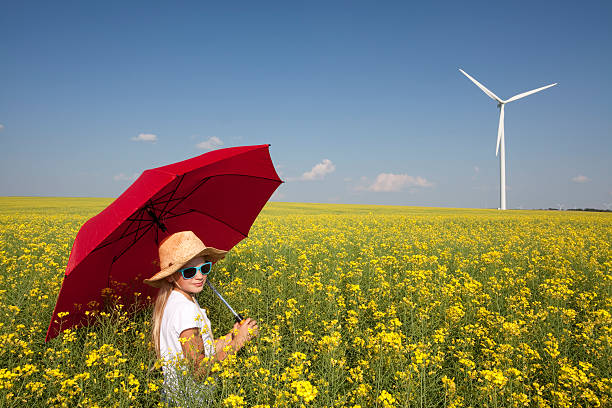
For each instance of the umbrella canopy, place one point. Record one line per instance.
(216, 195)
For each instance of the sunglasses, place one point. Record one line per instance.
(190, 272)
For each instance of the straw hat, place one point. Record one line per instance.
(178, 249)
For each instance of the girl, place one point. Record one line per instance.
(181, 330)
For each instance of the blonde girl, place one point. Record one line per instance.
(181, 331)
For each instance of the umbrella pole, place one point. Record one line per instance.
(239, 319)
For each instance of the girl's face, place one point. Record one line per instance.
(195, 284)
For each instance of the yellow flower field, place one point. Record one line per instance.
(371, 306)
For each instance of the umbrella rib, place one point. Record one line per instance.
(221, 221)
(159, 201)
(161, 198)
(173, 215)
(168, 201)
(140, 214)
(137, 219)
(157, 235)
(124, 233)
(171, 195)
(190, 193)
(180, 200)
(154, 216)
(248, 175)
(118, 239)
(138, 228)
(136, 239)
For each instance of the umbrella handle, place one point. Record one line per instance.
(239, 319)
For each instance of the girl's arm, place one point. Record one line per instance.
(224, 346)
(236, 338)
(193, 349)
(193, 346)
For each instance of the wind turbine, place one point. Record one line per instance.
(500, 132)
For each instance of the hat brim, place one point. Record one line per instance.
(213, 254)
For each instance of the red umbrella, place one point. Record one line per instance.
(217, 195)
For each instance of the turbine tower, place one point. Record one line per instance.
(500, 132)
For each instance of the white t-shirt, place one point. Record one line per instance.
(181, 314)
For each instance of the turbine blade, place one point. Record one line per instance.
(481, 86)
(524, 94)
(500, 129)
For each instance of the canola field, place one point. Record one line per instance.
(358, 306)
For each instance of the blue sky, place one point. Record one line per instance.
(362, 102)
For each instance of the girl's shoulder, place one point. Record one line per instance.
(180, 314)
(178, 302)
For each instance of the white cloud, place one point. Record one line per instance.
(211, 144)
(396, 182)
(581, 179)
(145, 137)
(125, 177)
(1, 127)
(476, 171)
(319, 170)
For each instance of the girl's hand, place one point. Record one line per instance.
(244, 332)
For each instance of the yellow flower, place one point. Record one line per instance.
(449, 385)
(234, 401)
(455, 313)
(494, 377)
(386, 399)
(36, 387)
(552, 346)
(305, 390)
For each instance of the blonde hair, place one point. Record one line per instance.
(163, 294)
